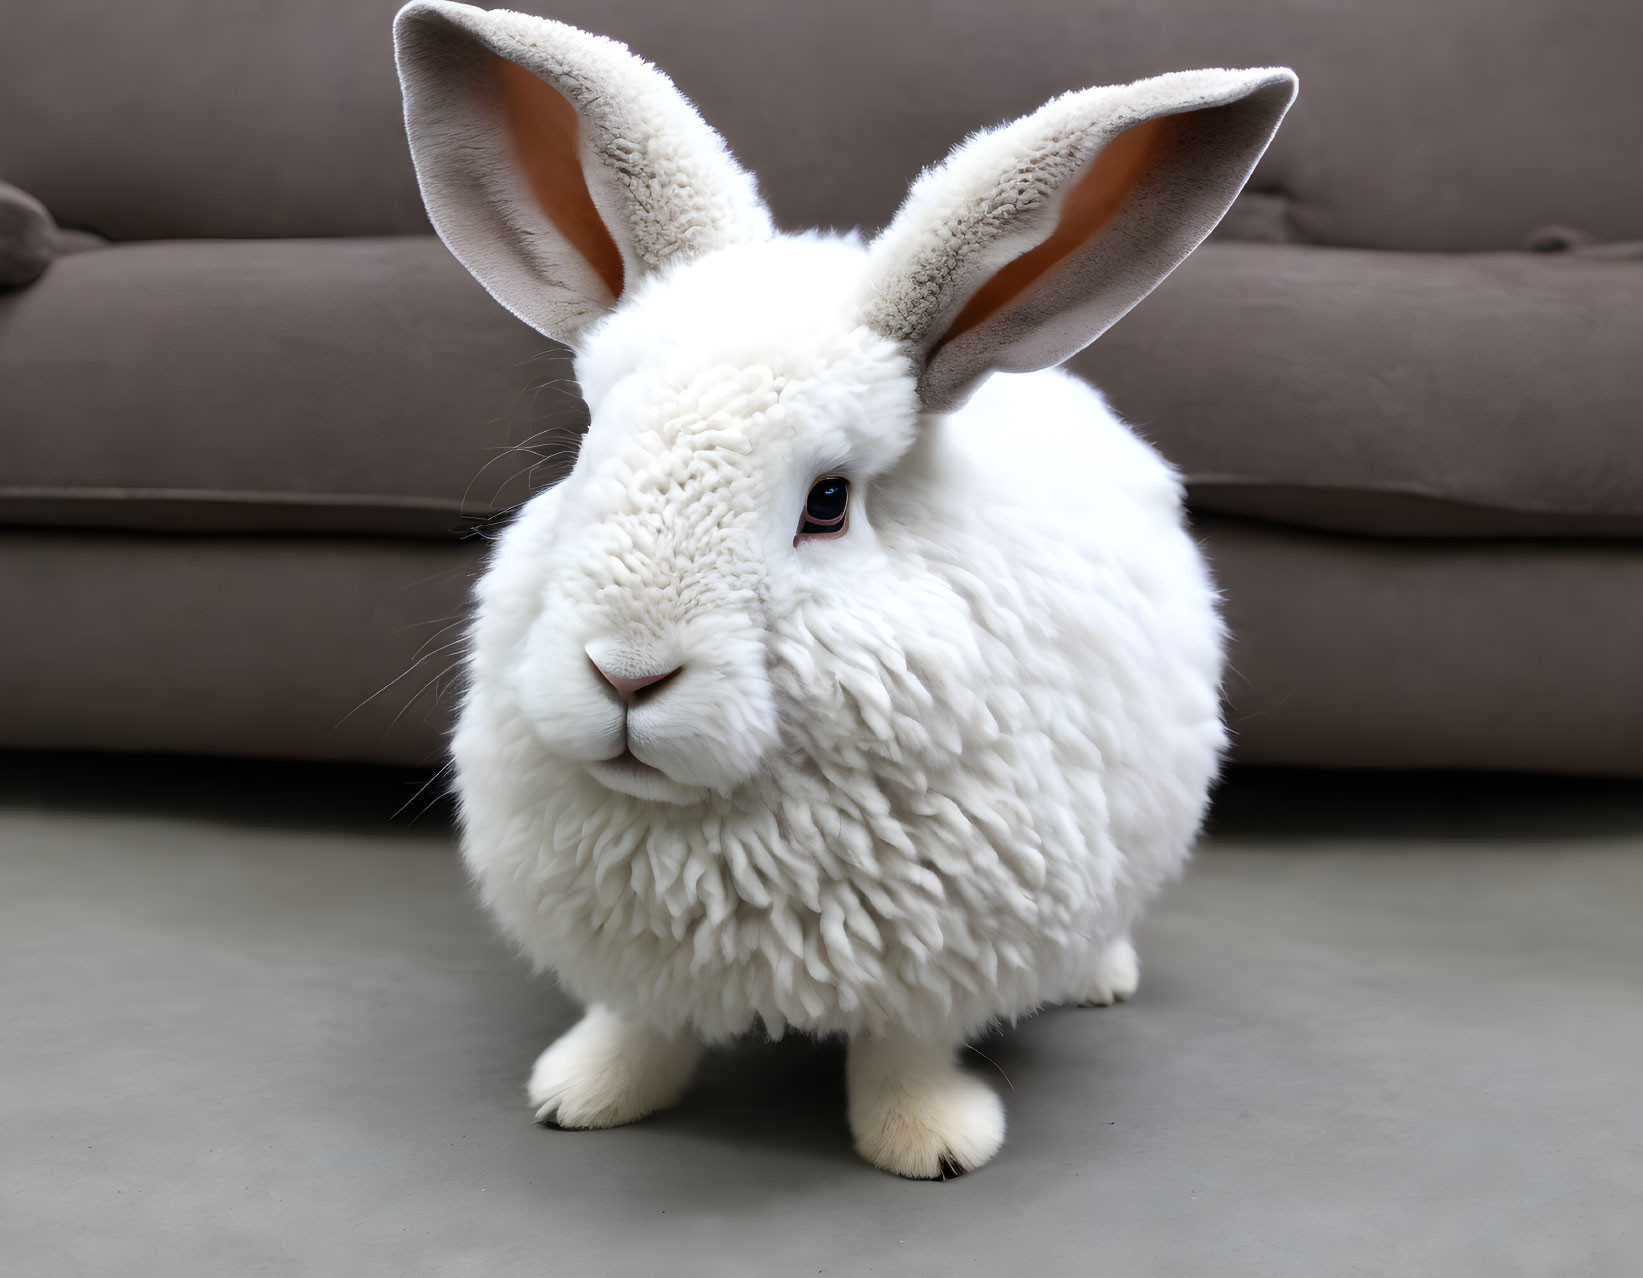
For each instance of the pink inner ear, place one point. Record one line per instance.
(547, 138)
(1088, 207)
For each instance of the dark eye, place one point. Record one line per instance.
(826, 509)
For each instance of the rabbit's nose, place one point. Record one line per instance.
(629, 689)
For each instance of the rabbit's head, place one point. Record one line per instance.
(756, 399)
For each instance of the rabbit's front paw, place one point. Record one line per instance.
(607, 1070)
(915, 1113)
(1116, 977)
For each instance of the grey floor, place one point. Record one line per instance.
(252, 1024)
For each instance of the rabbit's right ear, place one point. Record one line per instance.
(1031, 240)
(558, 167)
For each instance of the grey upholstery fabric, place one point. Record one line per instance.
(293, 402)
(28, 237)
(1392, 393)
(1347, 651)
(1438, 127)
(1371, 652)
(280, 647)
(286, 385)
(369, 386)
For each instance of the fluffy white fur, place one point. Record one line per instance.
(909, 782)
(1117, 975)
(609, 1070)
(914, 780)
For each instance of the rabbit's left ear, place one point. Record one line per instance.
(1030, 241)
(559, 168)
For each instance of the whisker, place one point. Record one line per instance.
(429, 622)
(444, 574)
(448, 766)
(418, 693)
(420, 654)
(402, 674)
(993, 1063)
(556, 384)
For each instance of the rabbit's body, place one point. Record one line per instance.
(836, 687)
(997, 731)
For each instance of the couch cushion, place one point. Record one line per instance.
(1381, 652)
(1462, 125)
(297, 385)
(350, 386)
(1347, 651)
(293, 647)
(1392, 393)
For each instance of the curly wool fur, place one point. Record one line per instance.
(986, 721)
(894, 783)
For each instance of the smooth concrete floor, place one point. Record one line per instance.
(252, 1024)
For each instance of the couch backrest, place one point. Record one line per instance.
(1464, 124)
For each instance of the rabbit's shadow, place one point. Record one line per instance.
(754, 1093)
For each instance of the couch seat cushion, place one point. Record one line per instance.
(280, 385)
(369, 386)
(1392, 393)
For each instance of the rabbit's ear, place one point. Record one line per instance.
(559, 168)
(1031, 240)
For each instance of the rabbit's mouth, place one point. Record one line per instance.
(633, 763)
(627, 773)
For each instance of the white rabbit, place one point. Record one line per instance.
(836, 687)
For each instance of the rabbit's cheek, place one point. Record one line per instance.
(711, 728)
(571, 713)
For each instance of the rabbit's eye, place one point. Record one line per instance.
(827, 509)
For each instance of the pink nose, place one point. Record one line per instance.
(629, 689)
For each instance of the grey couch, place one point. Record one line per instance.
(255, 423)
